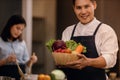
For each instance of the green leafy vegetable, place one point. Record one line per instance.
(71, 44)
(49, 44)
(85, 49)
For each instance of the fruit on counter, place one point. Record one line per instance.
(44, 77)
(47, 77)
(59, 74)
(65, 47)
(41, 77)
(52, 76)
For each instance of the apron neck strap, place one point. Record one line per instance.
(75, 28)
(97, 29)
(73, 31)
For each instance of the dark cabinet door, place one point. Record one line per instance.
(8, 8)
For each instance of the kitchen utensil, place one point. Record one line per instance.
(30, 67)
(19, 70)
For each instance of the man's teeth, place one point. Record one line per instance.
(84, 17)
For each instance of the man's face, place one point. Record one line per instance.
(84, 10)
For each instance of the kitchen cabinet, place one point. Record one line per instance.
(38, 43)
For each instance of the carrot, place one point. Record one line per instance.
(79, 48)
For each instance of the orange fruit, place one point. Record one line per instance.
(47, 77)
(41, 77)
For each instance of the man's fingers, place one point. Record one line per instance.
(81, 56)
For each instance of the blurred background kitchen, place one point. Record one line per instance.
(46, 19)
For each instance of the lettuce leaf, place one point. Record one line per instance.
(49, 44)
(71, 44)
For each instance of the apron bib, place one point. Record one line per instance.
(87, 73)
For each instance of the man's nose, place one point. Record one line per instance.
(83, 10)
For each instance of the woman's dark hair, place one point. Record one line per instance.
(13, 20)
(73, 1)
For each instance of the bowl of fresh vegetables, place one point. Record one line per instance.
(65, 51)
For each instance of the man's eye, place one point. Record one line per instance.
(78, 7)
(87, 6)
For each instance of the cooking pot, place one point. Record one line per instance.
(30, 77)
(6, 78)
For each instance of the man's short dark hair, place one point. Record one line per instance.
(74, 1)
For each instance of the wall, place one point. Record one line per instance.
(8, 8)
(109, 12)
(65, 16)
(44, 11)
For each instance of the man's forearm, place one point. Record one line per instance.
(97, 62)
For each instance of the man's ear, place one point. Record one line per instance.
(95, 4)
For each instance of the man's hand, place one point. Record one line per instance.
(80, 63)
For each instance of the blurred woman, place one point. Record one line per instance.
(13, 48)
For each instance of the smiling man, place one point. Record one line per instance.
(100, 40)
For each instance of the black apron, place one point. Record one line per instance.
(11, 71)
(87, 73)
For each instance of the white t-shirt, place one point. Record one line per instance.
(105, 39)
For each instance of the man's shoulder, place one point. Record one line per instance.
(106, 26)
